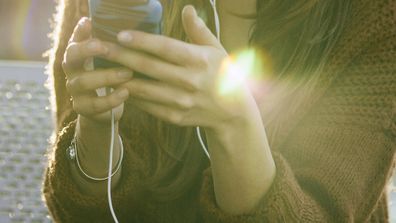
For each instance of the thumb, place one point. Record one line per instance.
(196, 29)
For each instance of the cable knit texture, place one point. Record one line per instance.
(333, 159)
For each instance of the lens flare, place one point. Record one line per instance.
(24, 26)
(20, 25)
(247, 68)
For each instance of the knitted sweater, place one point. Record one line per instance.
(333, 157)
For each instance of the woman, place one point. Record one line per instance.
(329, 115)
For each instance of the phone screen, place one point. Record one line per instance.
(109, 17)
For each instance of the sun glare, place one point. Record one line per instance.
(241, 69)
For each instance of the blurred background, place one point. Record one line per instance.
(24, 25)
(25, 116)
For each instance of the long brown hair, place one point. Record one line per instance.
(298, 36)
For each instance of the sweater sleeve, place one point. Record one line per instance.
(335, 175)
(335, 164)
(284, 202)
(64, 199)
(326, 172)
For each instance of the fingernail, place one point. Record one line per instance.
(123, 93)
(105, 50)
(93, 45)
(125, 74)
(125, 36)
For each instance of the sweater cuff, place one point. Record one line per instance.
(283, 201)
(60, 188)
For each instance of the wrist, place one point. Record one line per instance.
(73, 152)
(241, 151)
(246, 134)
(90, 129)
(242, 113)
(93, 141)
(249, 122)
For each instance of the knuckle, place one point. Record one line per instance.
(114, 52)
(66, 66)
(111, 77)
(69, 85)
(71, 39)
(195, 82)
(128, 86)
(113, 101)
(154, 67)
(203, 60)
(165, 48)
(97, 106)
(88, 64)
(175, 117)
(64, 63)
(142, 64)
(72, 46)
(76, 107)
(102, 104)
(70, 56)
(139, 92)
(183, 58)
(185, 103)
(107, 79)
(114, 74)
(189, 53)
(192, 82)
(82, 83)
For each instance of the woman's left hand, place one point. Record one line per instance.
(185, 76)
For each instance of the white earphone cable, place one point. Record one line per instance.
(198, 130)
(108, 91)
(217, 26)
(216, 18)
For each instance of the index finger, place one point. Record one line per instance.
(77, 53)
(172, 50)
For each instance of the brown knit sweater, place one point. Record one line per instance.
(333, 157)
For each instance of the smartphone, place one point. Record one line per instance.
(109, 17)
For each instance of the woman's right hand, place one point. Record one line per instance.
(82, 82)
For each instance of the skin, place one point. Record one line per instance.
(241, 160)
(237, 8)
(236, 14)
